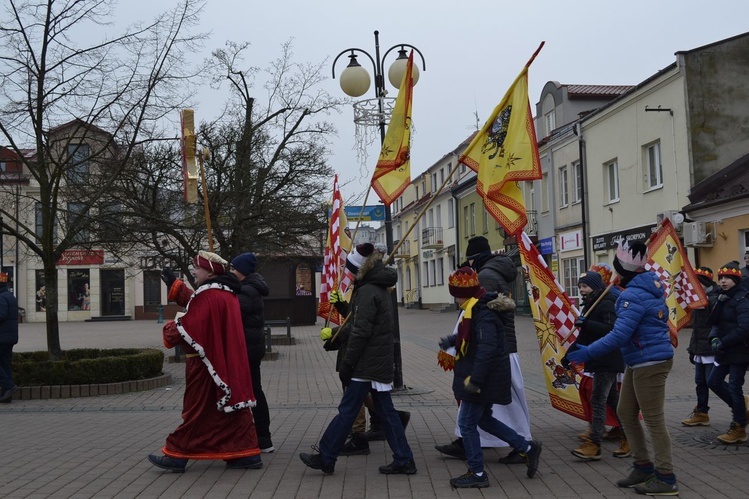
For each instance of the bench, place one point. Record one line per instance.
(280, 340)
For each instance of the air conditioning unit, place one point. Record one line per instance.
(677, 219)
(696, 234)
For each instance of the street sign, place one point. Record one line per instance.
(374, 213)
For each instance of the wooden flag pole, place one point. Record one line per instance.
(605, 292)
(206, 208)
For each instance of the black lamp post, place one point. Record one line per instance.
(355, 82)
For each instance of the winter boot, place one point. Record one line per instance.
(623, 450)
(357, 445)
(588, 451)
(614, 434)
(640, 473)
(697, 418)
(585, 435)
(735, 434)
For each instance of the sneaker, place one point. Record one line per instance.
(245, 463)
(399, 469)
(638, 475)
(7, 396)
(584, 436)
(735, 434)
(697, 418)
(531, 458)
(265, 444)
(168, 463)
(614, 434)
(623, 450)
(588, 451)
(470, 480)
(656, 487)
(357, 445)
(374, 433)
(514, 457)
(454, 449)
(315, 462)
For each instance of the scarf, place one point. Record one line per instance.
(464, 328)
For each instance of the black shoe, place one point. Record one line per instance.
(374, 433)
(470, 480)
(405, 417)
(357, 445)
(265, 444)
(453, 449)
(315, 462)
(245, 463)
(514, 457)
(532, 458)
(168, 463)
(399, 469)
(8, 395)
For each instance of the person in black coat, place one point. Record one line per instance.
(594, 323)
(482, 375)
(729, 339)
(253, 289)
(8, 338)
(699, 349)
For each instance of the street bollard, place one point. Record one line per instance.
(160, 309)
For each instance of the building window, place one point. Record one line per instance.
(654, 173)
(611, 176)
(434, 182)
(39, 224)
(442, 176)
(438, 218)
(426, 274)
(563, 187)
(485, 220)
(577, 169)
(551, 122)
(79, 292)
(466, 222)
(440, 271)
(572, 270)
(78, 155)
(76, 211)
(450, 213)
(473, 219)
(408, 279)
(545, 193)
(433, 272)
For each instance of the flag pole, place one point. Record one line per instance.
(598, 300)
(533, 57)
(206, 208)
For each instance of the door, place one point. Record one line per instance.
(112, 292)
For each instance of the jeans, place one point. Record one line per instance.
(335, 435)
(605, 393)
(644, 389)
(6, 375)
(701, 375)
(474, 415)
(732, 392)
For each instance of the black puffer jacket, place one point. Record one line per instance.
(369, 351)
(254, 288)
(731, 319)
(699, 342)
(8, 316)
(495, 275)
(487, 360)
(598, 323)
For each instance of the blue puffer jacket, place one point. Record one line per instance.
(641, 327)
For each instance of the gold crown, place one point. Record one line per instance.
(464, 277)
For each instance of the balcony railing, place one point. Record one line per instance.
(404, 251)
(431, 238)
(532, 228)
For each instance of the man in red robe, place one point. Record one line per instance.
(217, 420)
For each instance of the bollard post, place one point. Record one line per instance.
(160, 309)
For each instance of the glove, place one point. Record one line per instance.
(446, 342)
(565, 362)
(691, 358)
(168, 276)
(579, 355)
(329, 346)
(580, 321)
(470, 387)
(335, 297)
(326, 333)
(716, 344)
(345, 374)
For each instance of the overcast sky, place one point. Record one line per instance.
(474, 49)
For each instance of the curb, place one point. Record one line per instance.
(43, 392)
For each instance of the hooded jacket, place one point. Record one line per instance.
(495, 275)
(253, 289)
(699, 342)
(641, 327)
(487, 359)
(731, 316)
(598, 323)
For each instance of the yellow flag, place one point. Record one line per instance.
(507, 208)
(393, 172)
(505, 151)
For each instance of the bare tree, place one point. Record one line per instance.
(83, 109)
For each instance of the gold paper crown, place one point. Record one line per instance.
(464, 277)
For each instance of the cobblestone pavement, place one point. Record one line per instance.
(97, 446)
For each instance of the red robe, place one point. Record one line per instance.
(217, 420)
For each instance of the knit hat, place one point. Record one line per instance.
(705, 275)
(464, 283)
(358, 256)
(592, 279)
(732, 271)
(210, 262)
(245, 264)
(630, 260)
(3, 277)
(476, 245)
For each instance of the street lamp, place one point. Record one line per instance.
(355, 82)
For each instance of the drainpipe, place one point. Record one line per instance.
(578, 129)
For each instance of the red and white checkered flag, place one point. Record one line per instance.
(337, 245)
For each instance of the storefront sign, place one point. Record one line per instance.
(546, 246)
(609, 241)
(81, 257)
(569, 241)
